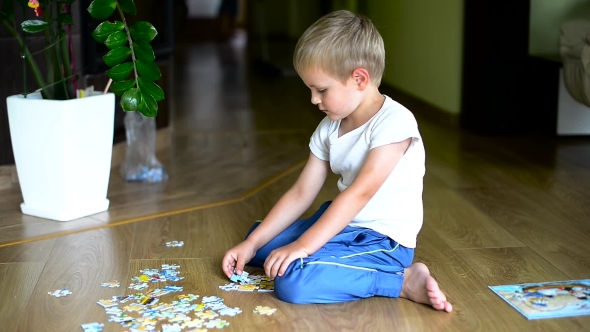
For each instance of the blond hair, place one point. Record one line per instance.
(339, 43)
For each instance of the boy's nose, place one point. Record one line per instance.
(315, 99)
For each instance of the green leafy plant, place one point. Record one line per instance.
(130, 57)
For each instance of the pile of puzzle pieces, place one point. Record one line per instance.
(247, 283)
(144, 310)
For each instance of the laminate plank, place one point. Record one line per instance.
(192, 228)
(476, 307)
(16, 286)
(553, 237)
(205, 168)
(228, 226)
(372, 315)
(79, 262)
(37, 251)
(27, 227)
(460, 224)
(502, 266)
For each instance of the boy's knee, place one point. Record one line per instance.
(292, 287)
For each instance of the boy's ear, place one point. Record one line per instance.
(361, 78)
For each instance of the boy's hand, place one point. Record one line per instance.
(278, 261)
(237, 257)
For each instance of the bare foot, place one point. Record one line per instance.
(419, 286)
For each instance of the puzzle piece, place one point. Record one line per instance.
(230, 311)
(107, 303)
(139, 286)
(175, 243)
(211, 299)
(171, 328)
(216, 305)
(60, 293)
(197, 323)
(264, 310)
(229, 287)
(92, 327)
(247, 288)
(111, 284)
(134, 307)
(216, 323)
(189, 297)
(241, 278)
(170, 267)
(171, 288)
(206, 315)
(179, 318)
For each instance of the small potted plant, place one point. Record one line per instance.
(62, 138)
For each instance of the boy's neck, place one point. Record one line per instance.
(371, 104)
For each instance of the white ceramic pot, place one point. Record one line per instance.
(62, 150)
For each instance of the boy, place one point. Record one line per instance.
(361, 244)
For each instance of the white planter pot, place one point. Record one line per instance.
(62, 150)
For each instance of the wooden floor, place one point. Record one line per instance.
(497, 211)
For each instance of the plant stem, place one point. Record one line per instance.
(29, 58)
(24, 61)
(130, 42)
(65, 53)
(46, 48)
(59, 57)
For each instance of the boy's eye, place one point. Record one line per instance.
(322, 90)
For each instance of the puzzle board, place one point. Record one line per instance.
(547, 299)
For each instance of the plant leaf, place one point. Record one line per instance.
(32, 26)
(119, 88)
(117, 56)
(143, 31)
(65, 18)
(128, 6)
(151, 88)
(148, 70)
(131, 100)
(116, 39)
(7, 11)
(120, 72)
(148, 106)
(143, 51)
(102, 9)
(104, 30)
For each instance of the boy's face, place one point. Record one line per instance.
(333, 97)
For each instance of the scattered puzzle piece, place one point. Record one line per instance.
(216, 323)
(230, 311)
(171, 328)
(107, 303)
(92, 327)
(206, 315)
(60, 293)
(264, 310)
(175, 243)
(197, 323)
(111, 284)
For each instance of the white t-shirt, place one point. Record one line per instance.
(396, 209)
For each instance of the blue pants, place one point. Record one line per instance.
(357, 263)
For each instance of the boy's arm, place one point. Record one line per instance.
(293, 203)
(379, 164)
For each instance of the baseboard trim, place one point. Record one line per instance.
(421, 108)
